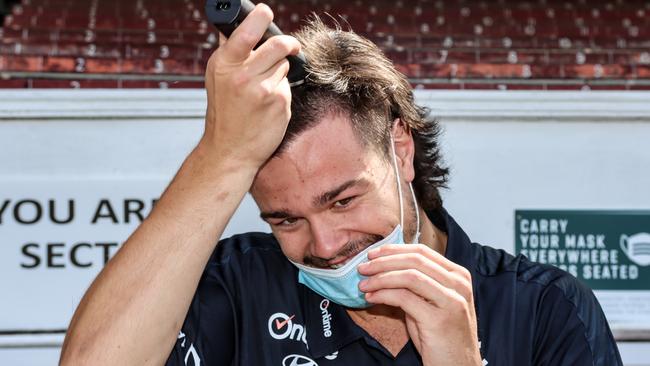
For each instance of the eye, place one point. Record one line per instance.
(344, 202)
(287, 222)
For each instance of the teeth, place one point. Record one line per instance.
(336, 266)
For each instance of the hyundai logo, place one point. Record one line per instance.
(298, 360)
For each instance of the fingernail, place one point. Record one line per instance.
(363, 284)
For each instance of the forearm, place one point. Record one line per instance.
(132, 312)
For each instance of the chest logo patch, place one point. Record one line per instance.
(281, 326)
(327, 318)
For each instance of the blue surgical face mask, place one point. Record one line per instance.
(341, 285)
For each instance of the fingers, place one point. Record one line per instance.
(428, 315)
(247, 34)
(247, 95)
(238, 49)
(274, 78)
(276, 74)
(429, 270)
(415, 282)
(270, 52)
(412, 304)
(447, 323)
(416, 248)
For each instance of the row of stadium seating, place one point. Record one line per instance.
(460, 43)
(170, 83)
(452, 68)
(453, 13)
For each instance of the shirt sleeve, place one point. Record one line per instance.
(207, 336)
(571, 328)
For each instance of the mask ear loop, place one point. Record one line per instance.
(399, 184)
(416, 240)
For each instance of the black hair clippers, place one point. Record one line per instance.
(226, 15)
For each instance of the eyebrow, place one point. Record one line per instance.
(279, 214)
(326, 197)
(319, 201)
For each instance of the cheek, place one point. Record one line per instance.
(292, 245)
(373, 219)
(381, 208)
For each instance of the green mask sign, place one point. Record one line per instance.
(607, 250)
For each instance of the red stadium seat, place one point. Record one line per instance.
(532, 42)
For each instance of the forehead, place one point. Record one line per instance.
(321, 157)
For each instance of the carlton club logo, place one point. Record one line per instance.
(281, 326)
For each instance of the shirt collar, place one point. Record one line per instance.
(459, 246)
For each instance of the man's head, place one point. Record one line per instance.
(350, 74)
(337, 149)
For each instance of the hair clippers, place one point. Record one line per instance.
(226, 15)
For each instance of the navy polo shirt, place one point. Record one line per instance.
(249, 309)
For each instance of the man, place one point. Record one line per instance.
(353, 177)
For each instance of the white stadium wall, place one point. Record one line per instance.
(79, 169)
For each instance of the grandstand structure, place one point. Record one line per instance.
(456, 44)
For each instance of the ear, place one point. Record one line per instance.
(404, 149)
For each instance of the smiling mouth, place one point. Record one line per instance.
(332, 264)
(347, 257)
(336, 264)
(340, 264)
(351, 250)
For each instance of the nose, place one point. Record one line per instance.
(326, 240)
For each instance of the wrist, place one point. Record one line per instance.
(210, 157)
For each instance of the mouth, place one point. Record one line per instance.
(336, 263)
(345, 255)
(339, 263)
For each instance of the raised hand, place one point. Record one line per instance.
(249, 98)
(436, 296)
